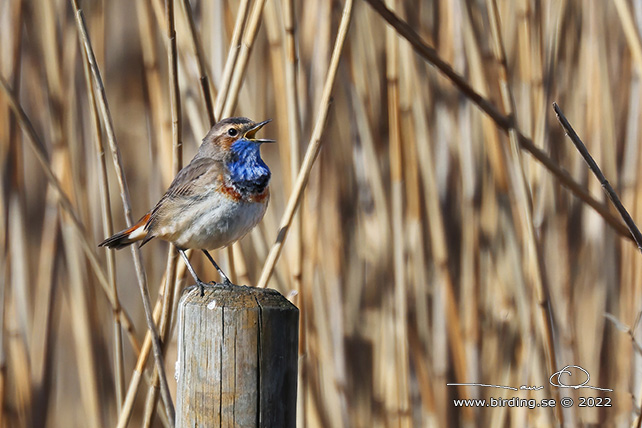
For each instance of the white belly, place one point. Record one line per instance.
(215, 222)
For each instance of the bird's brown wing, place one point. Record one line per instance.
(189, 182)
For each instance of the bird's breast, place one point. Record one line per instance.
(247, 175)
(247, 191)
(216, 220)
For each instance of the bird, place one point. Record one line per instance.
(214, 200)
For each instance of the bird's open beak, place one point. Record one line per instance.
(250, 133)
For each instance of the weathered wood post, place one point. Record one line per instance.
(237, 358)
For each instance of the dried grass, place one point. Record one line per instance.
(442, 229)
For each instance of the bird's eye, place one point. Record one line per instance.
(232, 132)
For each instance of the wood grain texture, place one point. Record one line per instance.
(237, 358)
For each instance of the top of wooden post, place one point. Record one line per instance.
(235, 296)
(237, 358)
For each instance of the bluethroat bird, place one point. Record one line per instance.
(213, 201)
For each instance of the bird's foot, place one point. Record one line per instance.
(223, 284)
(201, 287)
(226, 283)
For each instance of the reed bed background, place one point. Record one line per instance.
(436, 240)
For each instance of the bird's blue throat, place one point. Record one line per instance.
(247, 171)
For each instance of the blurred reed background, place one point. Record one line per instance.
(427, 243)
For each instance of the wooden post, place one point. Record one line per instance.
(237, 358)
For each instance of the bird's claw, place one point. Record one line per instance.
(201, 287)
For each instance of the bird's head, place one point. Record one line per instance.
(233, 136)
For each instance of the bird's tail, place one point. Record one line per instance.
(128, 236)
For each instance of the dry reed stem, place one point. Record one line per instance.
(504, 122)
(240, 66)
(124, 192)
(12, 268)
(595, 169)
(445, 299)
(48, 46)
(522, 212)
(608, 189)
(4, 277)
(40, 335)
(108, 230)
(175, 103)
(153, 89)
(42, 330)
(61, 166)
(628, 306)
(167, 309)
(174, 90)
(137, 374)
(19, 356)
(350, 362)
(479, 80)
(203, 68)
(275, 40)
(82, 332)
(291, 67)
(231, 95)
(10, 201)
(294, 137)
(313, 149)
(418, 277)
(632, 34)
(3, 358)
(15, 203)
(38, 149)
(400, 382)
(232, 55)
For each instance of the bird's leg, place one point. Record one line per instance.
(191, 270)
(226, 280)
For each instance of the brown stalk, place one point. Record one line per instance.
(82, 330)
(400, 381)
(108, 230)
(291, 59)
(177, 145)
(504, 122)
(4, 276)
(139, 369)
(38, 149)
(249, 37)
(522, 210)
(124, 192)
(444, 299)
(418, 282)
(167, 308)
(630, 31)
(174, 90)
(294, 137)
(153, 89)
(275, 56)
(231, 96)
(13, 267)
(313, 149)
(13, 179)
(62, 139)
(479, 80)
(595, 169)
(232, 55)
(203, 69)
